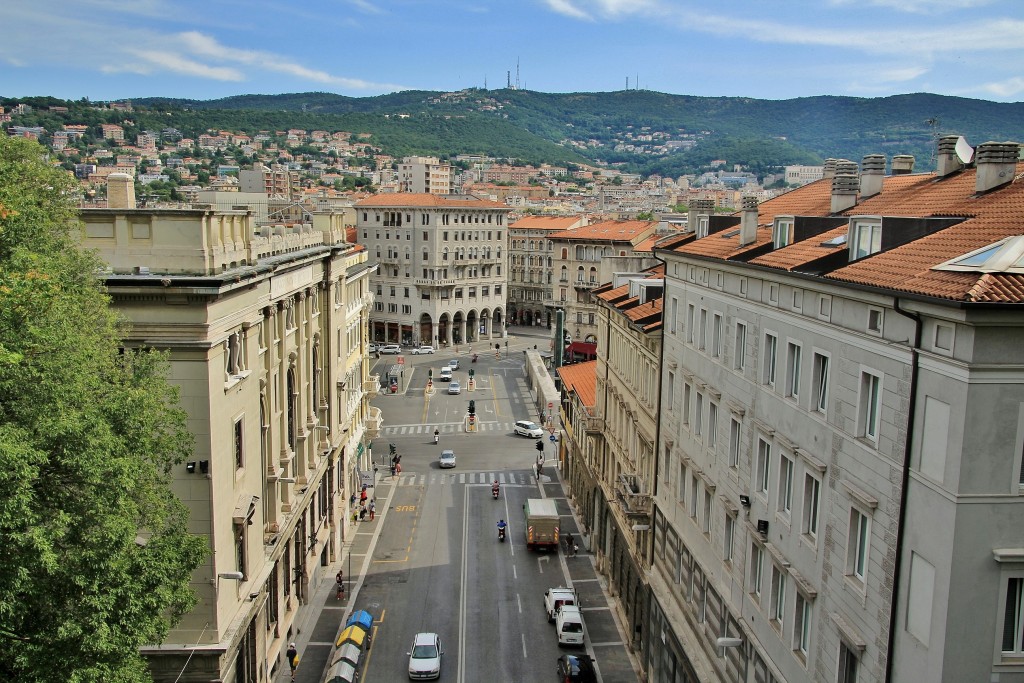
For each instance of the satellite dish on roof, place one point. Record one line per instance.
(964, 152)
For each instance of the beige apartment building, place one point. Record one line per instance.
(582, 260)
(440, 271)
(274, 181)
(424, 175)
(266, 330)
(531, 267)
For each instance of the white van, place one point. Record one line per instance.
(446, 375)
(569, 625)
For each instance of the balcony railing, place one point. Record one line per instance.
(631, 495)
(371, 387)
(593, 424)
(420, 282)
(374, 420)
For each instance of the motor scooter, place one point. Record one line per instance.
(494, 491)
(501, 534)
(437, 437)
(474, 358)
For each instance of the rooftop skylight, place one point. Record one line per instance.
(1004, 256)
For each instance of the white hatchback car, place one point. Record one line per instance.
(393, 349)
(422, 349)
(527, 428)
(425, 658)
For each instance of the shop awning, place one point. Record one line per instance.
(582, 348)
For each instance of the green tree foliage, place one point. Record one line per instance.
(95, 557)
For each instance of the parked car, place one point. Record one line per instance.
(425, 657)
(445, 375)
(569, 625)
(554, 598)
(527, 428)
(372, 348)
(390, 348)
(422, 349)
(454, 363)
(447, 459)
(454, 388)
(576, 669)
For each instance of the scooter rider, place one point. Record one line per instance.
(495, 488)
(437, 436)
(501, 528)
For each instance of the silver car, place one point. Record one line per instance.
(425, 657)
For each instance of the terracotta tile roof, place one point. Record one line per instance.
(612, 231)
(424, 200)
(546, 222)
(987, 218)
(581, 378)
(648, 244)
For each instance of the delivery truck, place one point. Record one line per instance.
(541, 523)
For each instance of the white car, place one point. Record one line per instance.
(454, 388)
(527, 428)
(422, 349)
(425, 658)
(447, 459)
(445, 375)
(372, 348)
(393, 349)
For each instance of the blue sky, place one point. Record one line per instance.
(771, 49)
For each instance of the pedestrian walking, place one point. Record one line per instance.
(340, 587)
(363, 496)
(362, 512)
(373, 509)
(398, 468)
(292, 655)
(569, 542)
(575, 549)
(394, 466)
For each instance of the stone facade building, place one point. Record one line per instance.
(266, 330)
(531, 267)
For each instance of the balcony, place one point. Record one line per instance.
(371, 387)
(434, 283)
(593, 424)
(373, 422)
(585, 284)
(629, 493)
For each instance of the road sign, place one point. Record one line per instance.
(401, 360)
(552, 438)
(550, 404)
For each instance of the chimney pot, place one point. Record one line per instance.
(902, 164)
(996, 163)
(748, 221)
(845, 185)
(872, 174)
(948, 162)
(829, 170)
(120, 191)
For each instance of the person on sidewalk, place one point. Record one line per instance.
(292, 655)
(373, 508)
(340, 587)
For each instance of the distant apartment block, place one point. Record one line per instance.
(801, 175)
(424, 175)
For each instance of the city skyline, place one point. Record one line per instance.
(112, 49)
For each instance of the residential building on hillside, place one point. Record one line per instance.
(441, 276)
(610, 449)
(578, 268)
(801, 175)
(840, 479)
(530, 267)
(266, 333)
(424, 175)
(276, 182)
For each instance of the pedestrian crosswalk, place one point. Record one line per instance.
(495, 427)
(524, 478)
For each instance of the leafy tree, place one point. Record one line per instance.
(97, 558)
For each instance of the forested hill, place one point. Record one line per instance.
(639, 130)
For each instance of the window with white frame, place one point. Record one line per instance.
(690, 317)
(709, 504)
(777, 604)
(858, 544)
(681, 485)
(670, 390)
(764, 464)
(698, 416)
(756, 567)
(867, 238)
(1013, 617)
(802, 626)
(734, 442)
(712, 424)
(819, 386)
(875, 318)
(716, 336)
(771, 345)
(870, 405)
(686, 404)
(740, 350)
(730, 537)
(811, 505)
(794, 355)
(782, 232)
(785, 485)
(694, 496)
(674, 316)
(703, 331)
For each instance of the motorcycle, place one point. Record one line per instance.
(474, 358)
(437, 437)
(501, 534)
(494, 492)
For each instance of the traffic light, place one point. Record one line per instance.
(472, 407)
(392, 449)
(540, 445)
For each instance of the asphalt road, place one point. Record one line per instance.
(438, 565)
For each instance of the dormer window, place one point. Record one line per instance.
(782, 232)
(702, 226)
(866, 238)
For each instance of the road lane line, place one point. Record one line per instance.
(463, 578)
(523, 637)
(519, 601)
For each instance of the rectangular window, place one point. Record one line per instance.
(858, 545)
(686, 404)
(785, 485)
(802, 625)
(716, 336)
(812, 498)
(778, 600)
(867, 239)
(870, 405)
(708, 511)
(698, 416)
(730, 534)
(782, 233)
(740, 352)
(712, 424)
(734, 443)
(793, 357)
(1013, 617)
(681, 485)
(674, 316)
(671, 390)
(690, 316)
(848, 664)
(756, 568)
(239, 444)
(694, 495)
(764, 464)
(703, 329)
(819, 388)
(771, 344)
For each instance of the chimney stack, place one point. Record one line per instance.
(996, 163)
(120, 191)
(748, 221)
(829, 171)
(948, 161)
(872, 173)
(844, 186)
(698, 207)
(903, 164)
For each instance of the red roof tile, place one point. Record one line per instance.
(613, 231)
(546, 222)
(581, 378)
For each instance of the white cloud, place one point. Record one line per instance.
(1011, 87)
(917, 6)
(366, 6)
(567, 8)
(187, 67)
